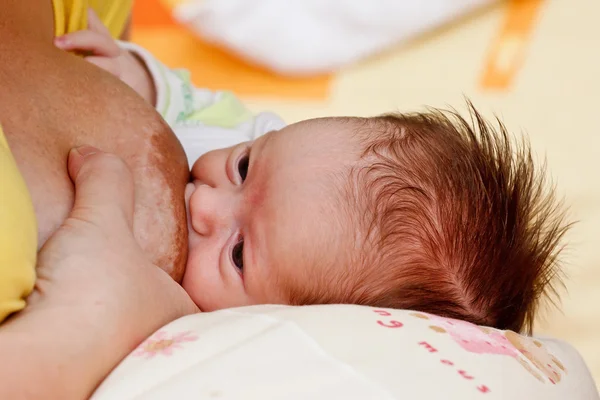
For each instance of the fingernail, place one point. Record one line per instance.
(61, 40)
(85, 151)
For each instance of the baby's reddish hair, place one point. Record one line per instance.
(454, 220)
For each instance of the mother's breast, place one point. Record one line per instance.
(82, 105)
(161, 173)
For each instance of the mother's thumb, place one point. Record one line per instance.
(103, 186)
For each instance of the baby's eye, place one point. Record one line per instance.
(243, 167)
(237, 255)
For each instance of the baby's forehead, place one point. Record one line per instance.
(343, 126)
(335, 137)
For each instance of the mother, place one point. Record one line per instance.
(51, 101)
(97, 294)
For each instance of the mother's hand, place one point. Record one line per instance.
(97, 295)
(94, 258)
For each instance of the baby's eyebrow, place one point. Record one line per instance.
(257, 194)
(263, 141)
(257, 150)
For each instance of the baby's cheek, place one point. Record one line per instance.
(211, 285)
(202, 279)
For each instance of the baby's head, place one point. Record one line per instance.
(424, 211)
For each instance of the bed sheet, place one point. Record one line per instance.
(343, 351)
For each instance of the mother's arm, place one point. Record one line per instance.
(51, 101)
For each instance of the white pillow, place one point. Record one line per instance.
(344, 352)
(305, 37)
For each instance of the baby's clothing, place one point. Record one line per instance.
(202, 120)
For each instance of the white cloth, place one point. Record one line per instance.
(345, 352)
(300, 37)
(203, 120)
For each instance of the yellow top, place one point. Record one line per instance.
(18, 236)
(71, 15)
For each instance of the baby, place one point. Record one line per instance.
(424, 211)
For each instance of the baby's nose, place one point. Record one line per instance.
(210, 210)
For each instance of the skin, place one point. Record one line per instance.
(104, 52)
(289, 177)
(52, 101)
(96, 297)
(286, 212)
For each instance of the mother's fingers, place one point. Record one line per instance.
(104, 190)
